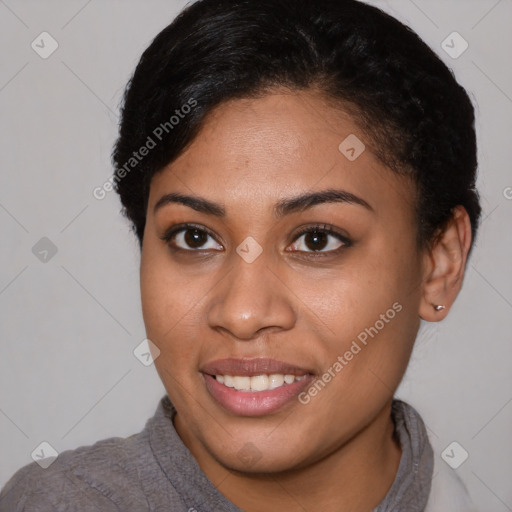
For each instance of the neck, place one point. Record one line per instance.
(354, 476)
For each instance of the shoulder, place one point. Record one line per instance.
(102, 476)
(448, 492)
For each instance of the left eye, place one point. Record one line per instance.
(319, 240)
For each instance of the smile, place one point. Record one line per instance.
(258, 382)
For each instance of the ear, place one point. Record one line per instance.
(444, 266)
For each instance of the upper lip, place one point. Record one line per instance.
(252, 366)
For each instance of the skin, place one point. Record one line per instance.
(338, 451)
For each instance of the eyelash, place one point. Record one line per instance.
(319, 228)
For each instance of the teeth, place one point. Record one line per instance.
(289, 379)
(242, 383)
(258, 382)
(276, 381)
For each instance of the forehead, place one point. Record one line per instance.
(282, 144)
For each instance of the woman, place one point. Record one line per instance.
(301, 178)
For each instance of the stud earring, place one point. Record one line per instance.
(438, 307)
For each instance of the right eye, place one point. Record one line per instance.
(190, 238)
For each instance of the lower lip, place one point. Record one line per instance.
(254, 403)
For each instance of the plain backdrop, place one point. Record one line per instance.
(69, 324)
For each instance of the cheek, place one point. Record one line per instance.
(368, 311)
(350, 299)
(161, 301)
(156, 297)
(171, 308)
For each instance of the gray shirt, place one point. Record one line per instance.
(154, 471)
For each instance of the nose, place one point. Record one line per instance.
(252, 299)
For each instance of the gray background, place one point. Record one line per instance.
(69, 325)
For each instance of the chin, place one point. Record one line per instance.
(249, 459)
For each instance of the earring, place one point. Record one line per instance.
(438, 307)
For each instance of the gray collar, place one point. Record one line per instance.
(411, 488)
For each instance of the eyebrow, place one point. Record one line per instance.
(283, 207)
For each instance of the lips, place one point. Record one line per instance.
(251, 367)
(249, 402)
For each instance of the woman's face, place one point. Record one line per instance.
(243, 293)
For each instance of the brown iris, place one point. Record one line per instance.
(315, 240)
(195, 237)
